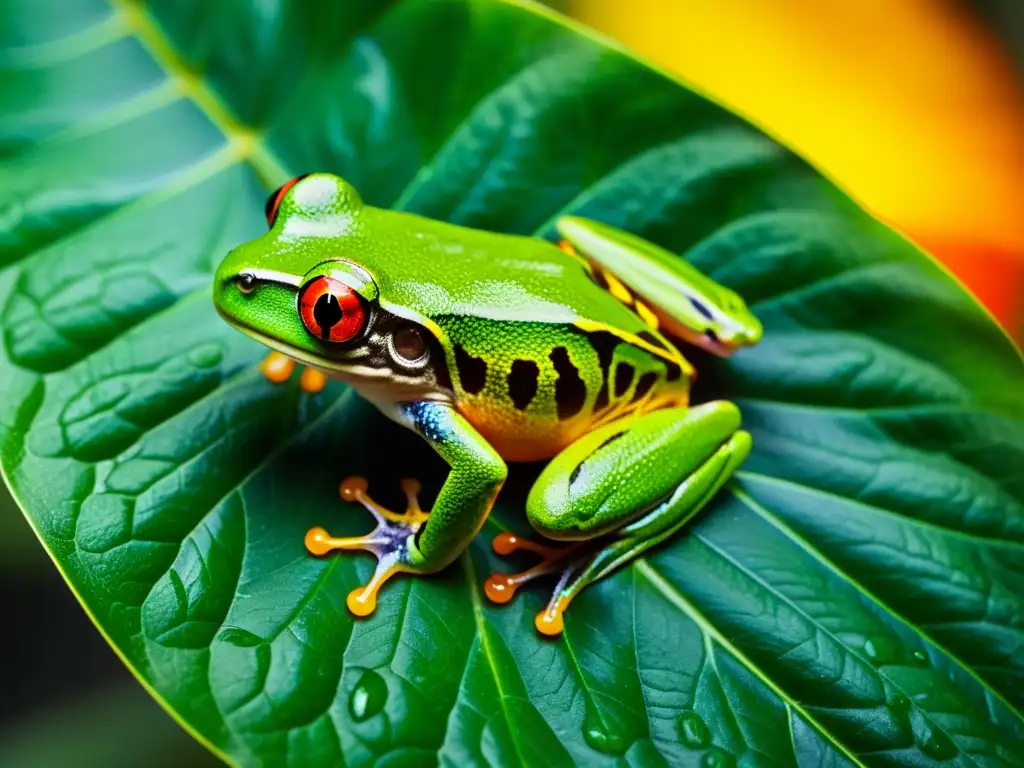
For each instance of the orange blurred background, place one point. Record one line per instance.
(911, 105)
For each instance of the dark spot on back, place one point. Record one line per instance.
(651, 339)
(570, 389)
(623, 378)
(604, 343)
(472, 370)
(672, 370)
(522, 382)
(644, 385)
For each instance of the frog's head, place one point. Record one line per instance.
(301, 290)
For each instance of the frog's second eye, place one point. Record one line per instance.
(274, 201)
(331, 310)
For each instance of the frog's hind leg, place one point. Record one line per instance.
(695, 451)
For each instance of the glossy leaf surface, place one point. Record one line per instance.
(856, 596)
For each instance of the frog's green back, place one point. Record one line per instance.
(440, 269)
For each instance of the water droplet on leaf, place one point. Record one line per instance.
(694, 730)
(932, 741)
(920, 658)
(717, 758)
(880, 650)
(368, 697)
(205, 355)
(899, 703)
(602, 736)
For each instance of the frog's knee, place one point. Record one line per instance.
(718, 416)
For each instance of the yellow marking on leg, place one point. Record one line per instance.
(566, 247)
(617, 289)
(685, 365)
(312, 380)
(277, 367)
(646, 314)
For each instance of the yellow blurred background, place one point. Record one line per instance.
(911, 105)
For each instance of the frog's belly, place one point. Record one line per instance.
(522, 436)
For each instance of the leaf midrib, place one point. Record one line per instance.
(485, 647)
(195, 87)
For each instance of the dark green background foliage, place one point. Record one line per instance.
(856, 594)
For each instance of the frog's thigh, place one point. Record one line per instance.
(623, 476)
(628, 486)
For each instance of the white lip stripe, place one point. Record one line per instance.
(273, 276)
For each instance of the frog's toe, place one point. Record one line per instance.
(312, 380)
(389, 541)
(502, 587)
(578, 564)
(277, 367)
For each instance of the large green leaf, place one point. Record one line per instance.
(856, 596)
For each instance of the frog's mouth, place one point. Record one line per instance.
(346, 367)
(372, 367)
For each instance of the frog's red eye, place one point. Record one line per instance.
(274, 201)
(331, 310)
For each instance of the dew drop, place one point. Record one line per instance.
(694, 730)
(920, 658)
(368, 697)
(899, 703)
(601, 736)
(933, 742)
(205, 355)
(717, 758)
(880, 650)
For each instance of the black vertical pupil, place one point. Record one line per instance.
(328, 313)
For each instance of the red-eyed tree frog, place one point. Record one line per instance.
(497, 348)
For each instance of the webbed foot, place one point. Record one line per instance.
(501, 587)
(389, 541)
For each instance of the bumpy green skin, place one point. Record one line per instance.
(532, 352)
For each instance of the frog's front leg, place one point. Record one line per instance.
(417, 542)
(619, 491)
